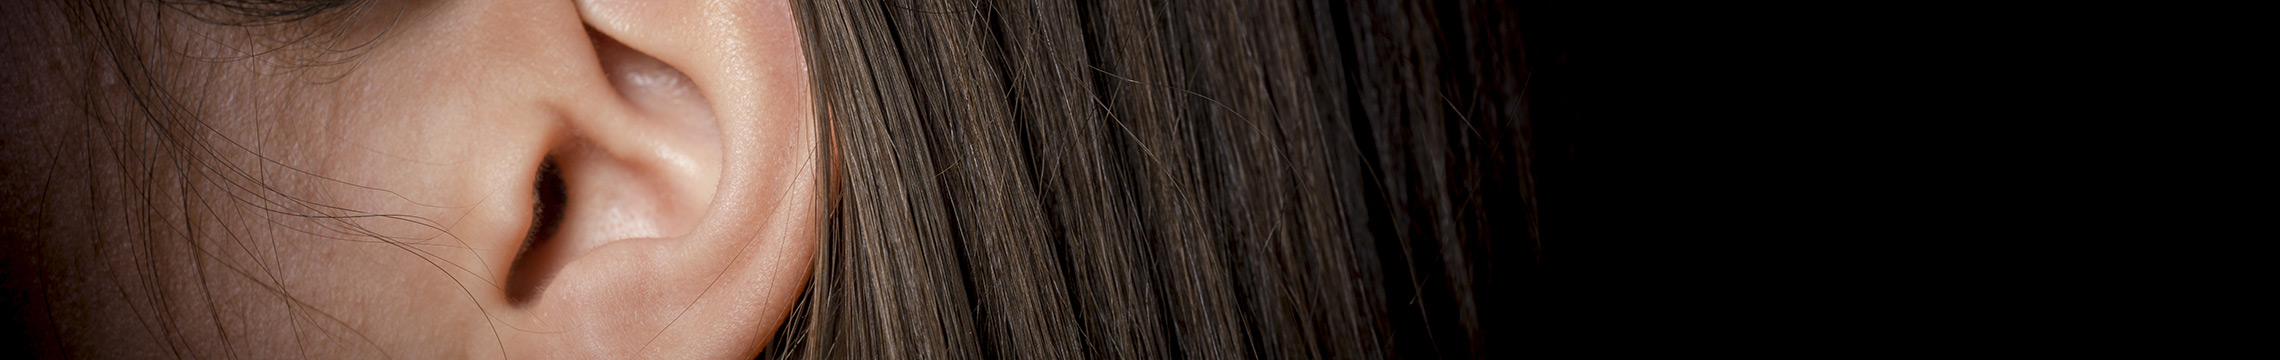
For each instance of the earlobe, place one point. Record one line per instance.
(691, 186)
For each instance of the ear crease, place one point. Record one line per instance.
(653, 86)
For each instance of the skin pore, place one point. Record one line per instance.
(368, 192)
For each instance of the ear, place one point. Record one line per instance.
(688, 186)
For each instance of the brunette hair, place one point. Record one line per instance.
(1162, 179)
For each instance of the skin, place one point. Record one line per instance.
(683, 129)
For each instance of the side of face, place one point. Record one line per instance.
(384, 204)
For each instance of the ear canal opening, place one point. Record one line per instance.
(539, 258)
(606, 179)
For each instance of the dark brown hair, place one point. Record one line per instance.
(1162, 179)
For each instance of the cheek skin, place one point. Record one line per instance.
(427, 128)
(412, 169)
